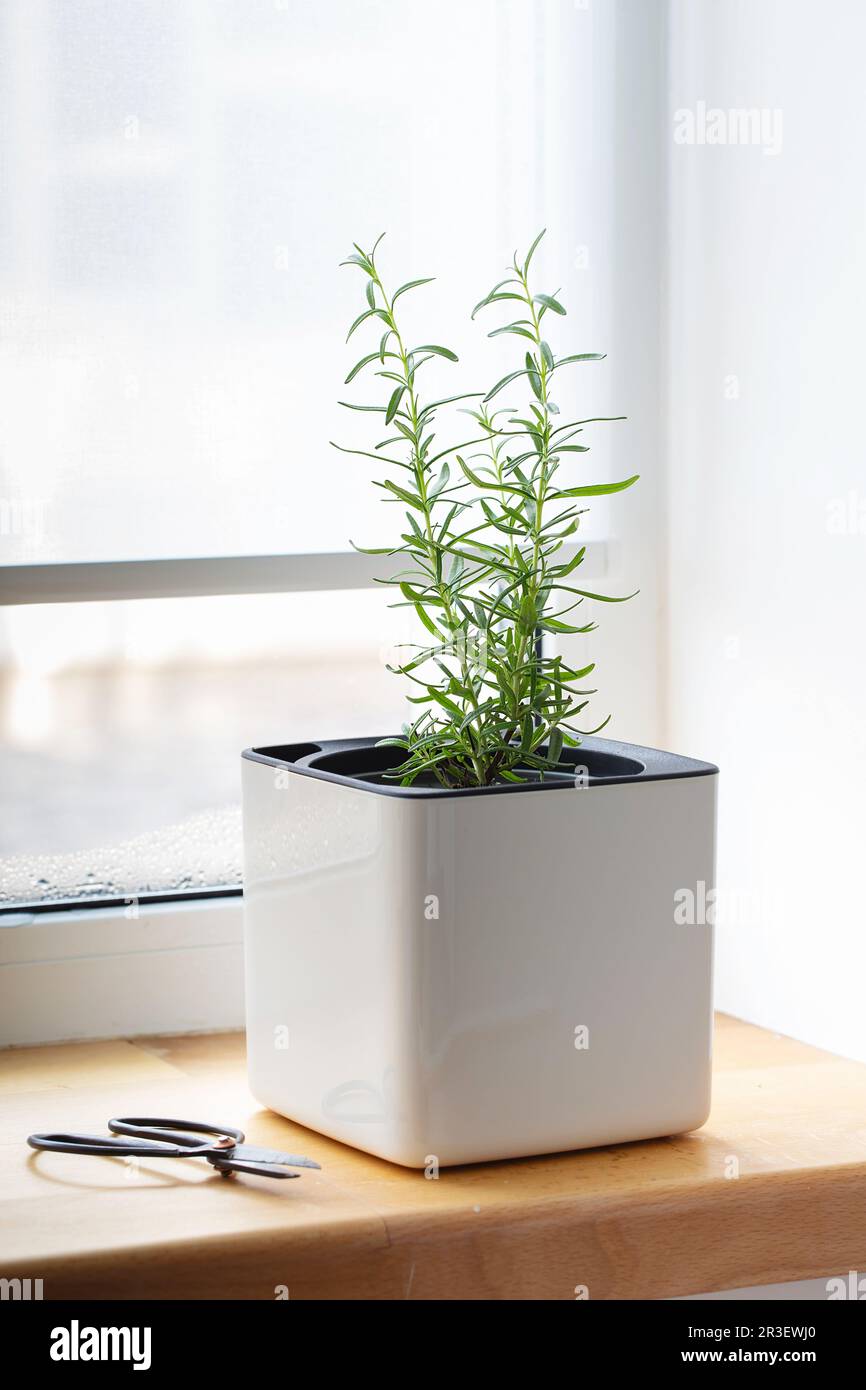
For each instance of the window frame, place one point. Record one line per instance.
(82, 581)
(121, 972)
(85, 581)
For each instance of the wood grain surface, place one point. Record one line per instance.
(771, 1189)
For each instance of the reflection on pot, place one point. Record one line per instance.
(360, 1102)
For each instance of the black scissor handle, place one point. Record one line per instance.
(106, 1147)
(178, 1132)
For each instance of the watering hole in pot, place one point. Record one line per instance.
(370, 764)
(290, 752)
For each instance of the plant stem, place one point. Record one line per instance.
(434, 549)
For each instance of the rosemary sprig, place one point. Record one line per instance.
(483, 541)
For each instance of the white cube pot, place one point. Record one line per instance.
(451, 977)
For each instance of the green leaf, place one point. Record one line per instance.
(528, 615)
(534, 378)
(393, 404)
(358, 321)
(445, 701)
(371, 357)
(428, 622)
(595, 420)
(371, 294)
(597, 489)
(491, 296)
(572, 564)
(531, 251)
(370, 550)
(554, 625)
(365, 453)
(554, 746)
(496, 299)
(402, 494)
(512, 328)
(512, 376)
(368, 313)
(440, 483)
(439, 351)
(411, 285)
(410, 593)
(549, 302)
(602, 598)
(492, 484)
(360, 260)
(434, 405)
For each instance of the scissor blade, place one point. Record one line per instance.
(262, 1170)
(257, 1155)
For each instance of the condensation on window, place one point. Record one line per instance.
(191, 856)
(122, 727)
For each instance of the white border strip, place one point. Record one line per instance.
(121, 972)
(222, 574)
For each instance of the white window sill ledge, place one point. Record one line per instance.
(107, 972)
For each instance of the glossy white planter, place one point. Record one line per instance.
(451, 978)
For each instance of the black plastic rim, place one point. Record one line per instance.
(358, 762)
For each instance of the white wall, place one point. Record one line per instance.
(765, 448)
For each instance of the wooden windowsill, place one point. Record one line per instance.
(770, 1190)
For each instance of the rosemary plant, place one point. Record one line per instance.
(483, 542)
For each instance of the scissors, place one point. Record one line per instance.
(225, 1149)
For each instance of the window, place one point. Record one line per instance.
(180, 183)
(122, 726)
